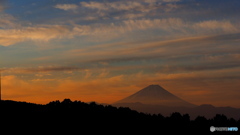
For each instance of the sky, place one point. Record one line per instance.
(105, 50)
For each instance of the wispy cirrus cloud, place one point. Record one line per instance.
(168, 24)
(214, 25)
(37, 33)
(133, 6)
(127, 5)
(48, 32)
(130, 25)
(124, 17)
(66, 7)
(173, 26)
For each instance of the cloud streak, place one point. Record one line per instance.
(194, 46)
(141, 6)
(38, 33)
(66, 7)
(127, 5)
(213, 25)
(19, 70)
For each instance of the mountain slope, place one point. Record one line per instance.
(155, 95)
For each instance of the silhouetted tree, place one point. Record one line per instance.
(200, 119)
(186, 118)
(220, 120)
(72, 115)
(66, 101)
(176, 116)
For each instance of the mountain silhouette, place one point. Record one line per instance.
(155, 95)
(154, 99)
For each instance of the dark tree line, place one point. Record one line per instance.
(78, 116)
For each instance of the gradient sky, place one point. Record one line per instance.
(105, 50)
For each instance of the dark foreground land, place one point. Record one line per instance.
(76, 117)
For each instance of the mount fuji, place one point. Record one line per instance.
(155, 95)
(155, 99)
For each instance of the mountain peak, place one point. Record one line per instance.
(154, 92)
(155, 95)
(155, 86)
